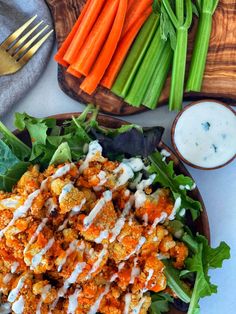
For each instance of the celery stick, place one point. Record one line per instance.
(181, 19)
(178, 70)
(144, 75)
(159, 78)
(201, 45)
(135, 57)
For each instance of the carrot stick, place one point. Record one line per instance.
(62, 50)
(122, 50)
(83, 31)
(73, 72)
(130, 4)
(96, 39)
(91, 82)
(134, 13)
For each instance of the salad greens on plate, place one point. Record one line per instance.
(51, 142)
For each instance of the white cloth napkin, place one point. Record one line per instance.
(14, 13)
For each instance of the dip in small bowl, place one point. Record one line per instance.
(204, 134)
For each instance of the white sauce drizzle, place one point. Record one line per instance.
(97, 264)
(137, 309)
(149, 277)
(62, 171)
(94, 149)
(126, 174)
(102, 177)
(5, 308)
(121, 221)
(14, 293)
(145, 219)
(7, 278)
(146, 183)
(35, 235)
(65, 190)
(18, 306)
(135, 272)
(78, 208)
(107, 197)
(75, 210)
(69, 281)
(157, 221)
(38, 257)
(127, 303)
(72, 247)
(182, 212)
(45, 291)
(14, 267)
(130, 222)
(135, 163)
(115, 276)
(73, 302)
(51, 207)
(10, 202)
(140, 198)
(140, 195)
(161, 256)
(21, 211)
(141, 242)
(187, 187)
(176, 207)
(95, 307)
(102, 236)
(165, 154)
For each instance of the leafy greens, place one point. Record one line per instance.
(166, 176)
(11, 168)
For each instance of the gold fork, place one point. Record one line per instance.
(19, 48)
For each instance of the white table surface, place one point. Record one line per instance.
(218, 187)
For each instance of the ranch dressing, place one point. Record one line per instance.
(205, 134)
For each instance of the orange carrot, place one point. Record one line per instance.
(96, 39)
(122, 51)
(83, 31)
(135, 12)
(62, 50)
(73, 72)
(130, 4)
(91, 82)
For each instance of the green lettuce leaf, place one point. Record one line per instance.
(166, 176)
(18, 148)
(38, 131)
(204, 258)
(160, 303)
(61, 155)
(11, 168)
(175, 283)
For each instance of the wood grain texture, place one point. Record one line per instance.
(220, 75)
(201, 224)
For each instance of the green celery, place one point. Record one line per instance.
(199, 57)
(144, 75)
(181, 21)
(159, 78)
(135, 57)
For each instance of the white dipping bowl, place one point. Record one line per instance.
(204, 134)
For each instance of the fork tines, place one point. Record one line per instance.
(25, 41)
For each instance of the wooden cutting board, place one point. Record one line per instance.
(220, 75)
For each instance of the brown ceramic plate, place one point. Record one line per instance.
(201, 225)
